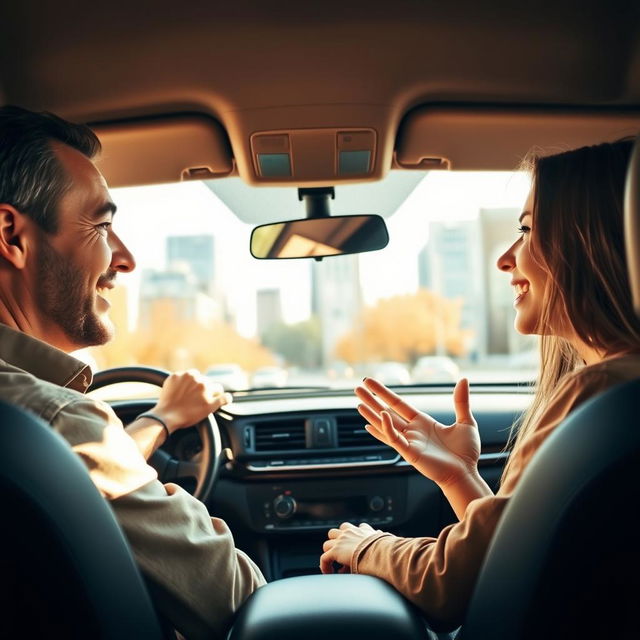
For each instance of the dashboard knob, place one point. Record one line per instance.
(376, 503)
(284, 507)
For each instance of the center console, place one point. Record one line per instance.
(320, 505)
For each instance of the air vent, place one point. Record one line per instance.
(351, 433)
(280, 435)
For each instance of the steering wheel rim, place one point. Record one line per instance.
(169, 469)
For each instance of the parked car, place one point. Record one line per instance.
(231, 376)
(269, 377)
(435, 369)
(392, 373)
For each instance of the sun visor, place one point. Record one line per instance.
(498, 139)
(163, 150)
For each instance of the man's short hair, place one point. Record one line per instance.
(32, 179)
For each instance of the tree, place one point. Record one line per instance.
(405, 327)
(172, 342)
(299, 344)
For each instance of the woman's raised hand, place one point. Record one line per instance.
(443, 453)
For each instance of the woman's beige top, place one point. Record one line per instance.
(438, 574)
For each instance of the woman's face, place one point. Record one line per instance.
(528, 278)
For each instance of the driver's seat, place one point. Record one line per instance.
(65, 567)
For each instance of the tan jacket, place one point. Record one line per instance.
(201, 577)
(438, 574)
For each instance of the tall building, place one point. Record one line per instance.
(455, 264)
(336, 299)
(498, 234)
(176, 291)
(198, 252)
(449, 266)
(268, 308)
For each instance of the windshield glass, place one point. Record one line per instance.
(429, 308)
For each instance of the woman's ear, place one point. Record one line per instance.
(13, 236)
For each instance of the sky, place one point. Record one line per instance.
(148, 215)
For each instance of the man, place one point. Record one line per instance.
(58, 257)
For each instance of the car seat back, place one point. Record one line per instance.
(66, 567)
(565, 561)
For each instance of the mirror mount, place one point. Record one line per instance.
(316, 200)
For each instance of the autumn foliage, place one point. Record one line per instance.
(171, 342)
(404, 327)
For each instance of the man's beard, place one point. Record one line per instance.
(63, 298)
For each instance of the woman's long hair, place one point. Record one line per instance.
(578, 240)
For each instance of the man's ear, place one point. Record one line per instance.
(13, 236)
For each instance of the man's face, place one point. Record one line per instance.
(77, 265)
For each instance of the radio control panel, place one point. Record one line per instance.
(315, 505)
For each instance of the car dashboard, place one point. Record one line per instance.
(297, 465)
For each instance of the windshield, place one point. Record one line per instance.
(429, 308)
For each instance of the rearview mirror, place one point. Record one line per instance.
(319, 237)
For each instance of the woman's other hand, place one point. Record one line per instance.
(443, 453)
(341, 544)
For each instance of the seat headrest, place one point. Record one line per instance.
(632, 224)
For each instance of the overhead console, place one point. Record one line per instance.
(301, 155)
(312, 145)
(465, 138)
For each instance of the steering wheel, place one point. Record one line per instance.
(169, 468)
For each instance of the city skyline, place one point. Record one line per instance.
(190, 209)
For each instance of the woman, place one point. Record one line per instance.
(569, 274)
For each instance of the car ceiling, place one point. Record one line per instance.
(263, 66)
(104, 61)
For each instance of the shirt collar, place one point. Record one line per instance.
(42, 360)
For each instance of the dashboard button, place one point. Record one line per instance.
(284, 507)
(322, 433)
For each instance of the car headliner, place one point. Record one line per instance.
(266, 66)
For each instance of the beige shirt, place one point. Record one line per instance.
(438, 574)
(200, 578)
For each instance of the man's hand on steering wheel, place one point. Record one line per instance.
(187, 397)
(196, 398)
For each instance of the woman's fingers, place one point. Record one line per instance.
(374, 419)
(372, 409)
(377, 433)
(369, 415)
(401, 442)
(375, 424)
(326, 562)
(368, 398)
(461, 402)
(394, 437)
(327, 545)
(395, 402)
